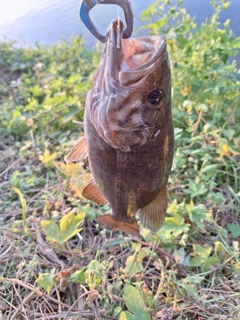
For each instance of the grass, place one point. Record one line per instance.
(56, 264)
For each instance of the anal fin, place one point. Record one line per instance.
(154, 213)
(78, 152)
(111, 223)
(92, 193)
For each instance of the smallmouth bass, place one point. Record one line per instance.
(128, 132)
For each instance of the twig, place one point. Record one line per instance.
(26, 300)
(160, 251)
(160, 285)
(79, 298)
(6, 251)
(9, 167)
(19, 282)
(197, 123)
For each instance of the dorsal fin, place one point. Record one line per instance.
(92, 193)
(78, 152)
(111, 223)
(80, 124)
(153, 214)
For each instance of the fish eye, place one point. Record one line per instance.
(155, 96)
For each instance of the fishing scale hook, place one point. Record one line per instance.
(87, 5)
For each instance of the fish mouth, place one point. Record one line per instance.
(130, 60)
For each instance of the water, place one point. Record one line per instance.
(47, 21)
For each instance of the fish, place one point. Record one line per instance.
(128, 132)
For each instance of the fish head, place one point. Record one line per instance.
(131, 96)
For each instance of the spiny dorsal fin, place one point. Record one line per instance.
(92, 193)
(80, 124)
(153, 214)
(78, 152)
(111, 223)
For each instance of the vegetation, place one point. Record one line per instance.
(55, 264)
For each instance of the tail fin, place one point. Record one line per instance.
(110, 222)
(153, 214)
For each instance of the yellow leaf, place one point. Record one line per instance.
(69, 224)
(224, 150)
(173, 206)
(79, 177)
(70, 169)
(23, 203)
(66, 221)
(47, 158)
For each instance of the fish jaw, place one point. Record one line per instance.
(129, 70)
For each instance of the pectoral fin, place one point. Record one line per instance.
(92, 193)
(110, 222)
(153, 214)
(78, 152)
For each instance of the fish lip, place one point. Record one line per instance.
(114, 54)
(127, 61)
(117, 68)
(154, 53)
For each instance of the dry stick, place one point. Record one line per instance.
(197, 123)
(59, 299)
(161, 251)
(14, 281)
(107, 317)
(96, 312)
(6, 251)
(26, 300)
(159, 285)
(9, 167)
(84, 313)
(79, 298)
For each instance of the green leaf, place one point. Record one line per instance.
(235, 230)
(196, 261)
(66, 230)
(46, 281)
(203, 252)
(134, 262)
(117, 311)
(211, 261)
(78, 276)
(225, 5)
(134, 303)
(181, 257)
(133, 266)
(197, 214)
(94, 267)
(175, 225)
(195, 189)
(94, 274)
(52, 231)
(194, 279)
(188, 288)
(209, 170)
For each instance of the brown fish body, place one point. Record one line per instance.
(128, 131)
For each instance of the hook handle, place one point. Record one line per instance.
(87, 5)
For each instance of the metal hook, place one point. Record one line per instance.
(87, 5)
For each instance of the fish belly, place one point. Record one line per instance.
(128, 180)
